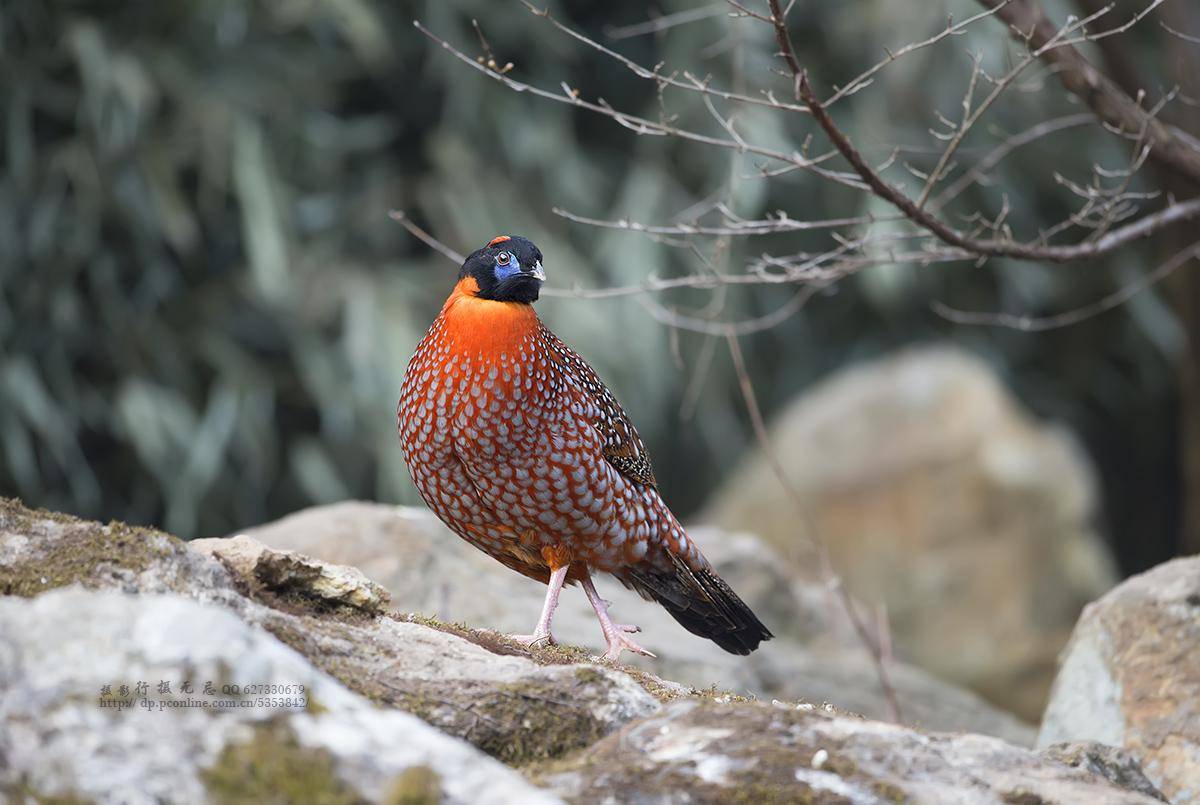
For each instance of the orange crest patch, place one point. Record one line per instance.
(499, 239)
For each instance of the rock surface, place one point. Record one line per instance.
(430, 570)
(283, 570)
(766, 753)
(1130, 677)
(1110, 762)
(495, 697)
(88, 605)
(940, 498)
(63, 738)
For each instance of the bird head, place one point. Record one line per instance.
(507, 269)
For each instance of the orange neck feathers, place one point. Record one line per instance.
(485, 325)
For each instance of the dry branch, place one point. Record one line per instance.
(1173, 147)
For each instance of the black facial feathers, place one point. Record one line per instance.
(507, 269)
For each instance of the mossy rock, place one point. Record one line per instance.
(59, 550)
(273, 769)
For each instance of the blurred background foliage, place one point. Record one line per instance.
(205, 312)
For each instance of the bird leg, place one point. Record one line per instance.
(614, 633)
(541, 632)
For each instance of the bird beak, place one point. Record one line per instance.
(538, 273)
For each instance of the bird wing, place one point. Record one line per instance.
(623, 447)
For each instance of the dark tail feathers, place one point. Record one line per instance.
(702, 603)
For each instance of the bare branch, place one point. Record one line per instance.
(991, 247)
(951, 29)
(660, 24)
(770, 226)
(1170, 145)
(429, 240)
(1038, 324)
(1195, 40)
(638, 125)
(693, 84)
(1006, 147)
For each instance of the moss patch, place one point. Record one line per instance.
(23, 791)
(417, 785)
(273, 768)
(515, 722)
(67, 550)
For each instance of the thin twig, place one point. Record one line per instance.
(1007, 146)
(660, 24)
(833, 581)
(862, 80)
(429, 240)
(636, 124)
(1039, 324)
(1172, 146)
(992, 247)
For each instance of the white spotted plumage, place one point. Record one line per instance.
(525, 443)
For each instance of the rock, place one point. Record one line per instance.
(1130, 677)
(763, 753)
(1111, 762)
(430, 570)
(513, 707)
(286, 570)
(63, 739)
(846, 677)
(85, 619)
(939, 497)
(42, 550)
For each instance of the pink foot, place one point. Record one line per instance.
(614, 633)
(618, 642)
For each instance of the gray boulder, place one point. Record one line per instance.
(66, 736)
(495, 695)
(941, 498)
(815, 655)
(1130, 677)
(92, 608)
(766, 753)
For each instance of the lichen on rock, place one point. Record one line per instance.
(289, 574)
(402, 709)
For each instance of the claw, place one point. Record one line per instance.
(614, 633)
(618, 642)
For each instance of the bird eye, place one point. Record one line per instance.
(502, 259)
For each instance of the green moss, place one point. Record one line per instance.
(517, 723)
(417, 785)
(23, 791)
(295, 599)
(301, 636)
(273, 768)
(72, 551)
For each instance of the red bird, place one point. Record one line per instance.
(517, 445)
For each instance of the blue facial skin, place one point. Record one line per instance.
(504, 272)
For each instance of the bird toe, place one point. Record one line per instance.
(619, 642)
